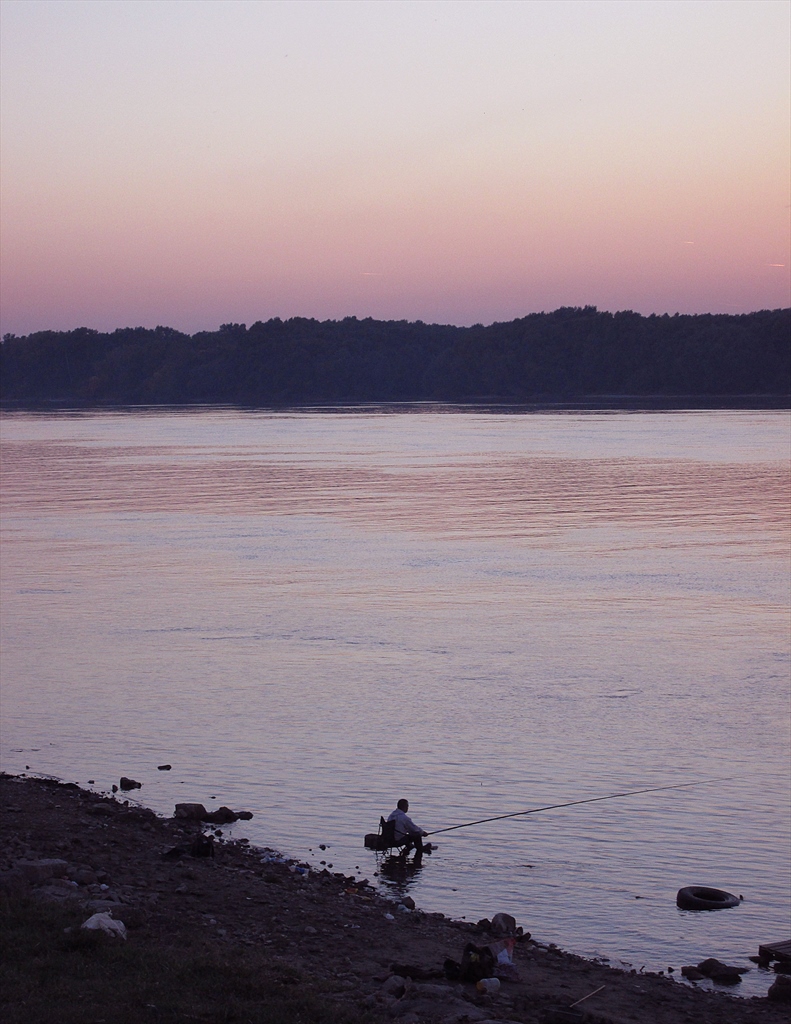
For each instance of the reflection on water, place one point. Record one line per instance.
(311, 616)
(399, 871)
(497, 498)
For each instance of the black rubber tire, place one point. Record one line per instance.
(700, 897)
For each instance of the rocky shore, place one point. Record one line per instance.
(218, 931)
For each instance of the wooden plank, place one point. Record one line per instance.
(775, 950)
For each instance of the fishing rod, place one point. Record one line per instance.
(574, 803)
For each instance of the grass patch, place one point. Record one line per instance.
(52, 976)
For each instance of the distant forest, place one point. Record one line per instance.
(575, 354)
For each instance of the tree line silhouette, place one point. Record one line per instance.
(569, 355)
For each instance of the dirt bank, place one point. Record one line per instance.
(241, 936)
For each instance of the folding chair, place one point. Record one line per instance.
(384, 839)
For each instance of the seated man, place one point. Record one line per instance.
(407, 833)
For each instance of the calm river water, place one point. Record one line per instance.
(310, 615)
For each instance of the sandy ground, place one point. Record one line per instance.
(323, 927)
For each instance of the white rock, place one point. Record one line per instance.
(105, 923)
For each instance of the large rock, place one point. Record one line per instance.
(222, 816)
(127, 784)
(395, 986)
(503, 924)
(780, 990)
(720, 972)
(190, 812)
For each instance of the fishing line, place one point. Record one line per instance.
(574, 803)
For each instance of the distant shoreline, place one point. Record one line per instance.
(572, 357)
(609, 403)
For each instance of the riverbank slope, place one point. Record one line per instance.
(244, 936)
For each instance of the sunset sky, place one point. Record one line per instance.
(191, 162)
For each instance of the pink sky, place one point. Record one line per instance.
(191, 163)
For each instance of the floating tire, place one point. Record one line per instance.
(699, 897)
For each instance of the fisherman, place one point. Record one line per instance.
(407, 833)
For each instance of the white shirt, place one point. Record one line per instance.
(404, 825)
